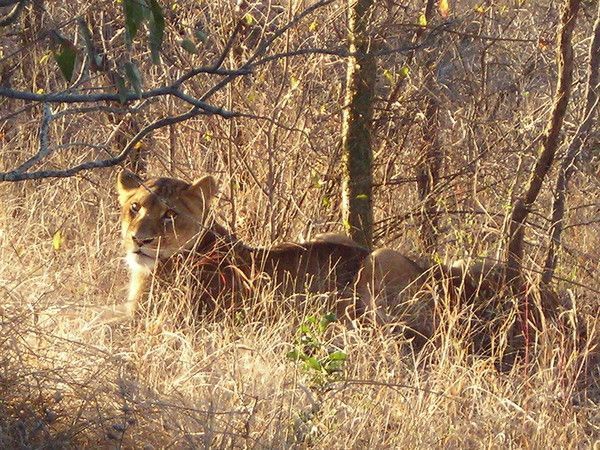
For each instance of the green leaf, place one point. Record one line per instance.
(189, 46)
(156, 27)
(201, 35)
(313, 363)
(304, 329)
(334, 366)
(293, 355)
(86, 34)
(134, 77)
(311, 320)
(388, 75)
(330, 317)
(249, 19)
(134, 16)
(338, 356)
(326, 319)
(65, 57)
(362, 197)
(404, 72)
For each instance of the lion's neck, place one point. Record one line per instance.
(216, 247)
(219, 243)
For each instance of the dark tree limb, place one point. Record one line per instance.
(592, 99)
(68, 97)
(550, 144)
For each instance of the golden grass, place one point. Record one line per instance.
(68, 381)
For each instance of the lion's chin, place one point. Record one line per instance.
(138, 261)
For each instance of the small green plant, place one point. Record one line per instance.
(321, 361)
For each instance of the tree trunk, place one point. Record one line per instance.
(567, 167)
(429, 167)
(428, 175)
(550, 143)
(357, 183)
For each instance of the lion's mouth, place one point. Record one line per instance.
(140, 260)
(141, 254)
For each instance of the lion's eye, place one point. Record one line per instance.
(135, 208)
(169, 215)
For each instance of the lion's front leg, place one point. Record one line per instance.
(139, 284)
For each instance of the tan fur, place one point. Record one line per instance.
(388, 285)
(337, 238)
(385, 280)
(149, 235)
(330, 262)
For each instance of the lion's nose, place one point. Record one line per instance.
(141, 242)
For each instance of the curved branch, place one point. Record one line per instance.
(550, 143)
(573, 152)
(15, 175)
(67, 97)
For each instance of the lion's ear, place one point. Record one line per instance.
(205, 187)
(126, 183)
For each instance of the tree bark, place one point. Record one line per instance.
(428, 174)
(592, 98)
(357, 182)
(550, 143)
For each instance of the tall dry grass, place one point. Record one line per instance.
(68, 380)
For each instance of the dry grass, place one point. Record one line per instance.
(68, 381)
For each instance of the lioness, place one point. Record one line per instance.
(165, 221)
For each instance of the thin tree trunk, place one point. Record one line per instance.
(357, 184)
(428, 175)
(567, 168)
(550, 143)
(430, 164)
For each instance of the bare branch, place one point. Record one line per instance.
(67, 97)
(264, 46)
(550, 143)
(15, 175)
(568, 164)
(44, 149)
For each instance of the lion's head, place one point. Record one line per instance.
(161, 216)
